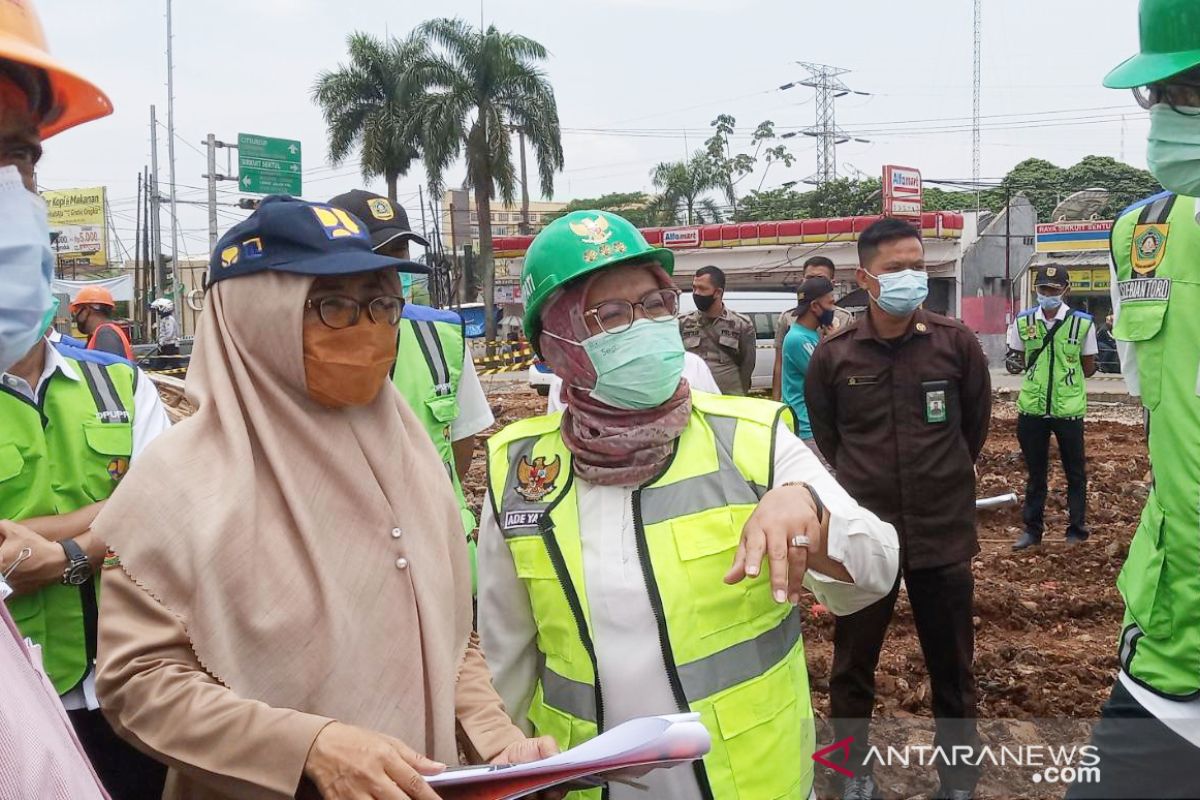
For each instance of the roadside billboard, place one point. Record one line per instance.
(77, 217)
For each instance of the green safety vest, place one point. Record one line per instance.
(1156, 249)
(1055, 385)
(731, 652)
(57, 456)
(432, 393)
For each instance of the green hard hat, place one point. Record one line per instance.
(575, 245)
(1170, 44)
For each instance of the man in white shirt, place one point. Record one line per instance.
(68, 429)
(1059, 347)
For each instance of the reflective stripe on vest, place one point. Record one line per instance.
(435, 357)
(104, 393)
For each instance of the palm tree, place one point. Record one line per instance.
(368, 104)
(682, 182)
(477, 87)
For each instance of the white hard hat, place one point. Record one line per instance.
(163, 305)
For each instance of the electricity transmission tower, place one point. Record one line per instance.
(826, 81)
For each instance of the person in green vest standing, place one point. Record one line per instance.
(70, 422)
(622, 540)
(434, 370)
(1059, 343)
(1148, 737)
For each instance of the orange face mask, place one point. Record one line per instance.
(348, 366)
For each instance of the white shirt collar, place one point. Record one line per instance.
(55, 362)
(1060, 315)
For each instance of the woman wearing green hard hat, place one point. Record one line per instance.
(623, 541)
(1147, 742)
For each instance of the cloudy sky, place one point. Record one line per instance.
(637, 82)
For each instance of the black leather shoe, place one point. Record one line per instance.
(1076, 538)
(1026, 541)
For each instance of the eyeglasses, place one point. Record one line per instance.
(339, 311)
(615, 316)
(1172, 94)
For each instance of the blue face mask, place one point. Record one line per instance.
(1048, 302)
(26, 266)
(901, 293)
(637, 368)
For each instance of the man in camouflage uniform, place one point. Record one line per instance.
(722, 337)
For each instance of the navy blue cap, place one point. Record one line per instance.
(290, 235)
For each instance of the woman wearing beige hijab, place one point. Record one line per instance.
(291, 612)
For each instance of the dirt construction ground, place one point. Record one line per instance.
(1046, 619)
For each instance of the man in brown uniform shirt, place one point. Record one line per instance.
(722, 337)
(899, 403)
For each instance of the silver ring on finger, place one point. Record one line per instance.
(799, 540)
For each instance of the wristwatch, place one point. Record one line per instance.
(78, 570)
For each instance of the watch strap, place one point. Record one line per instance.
(74, 552)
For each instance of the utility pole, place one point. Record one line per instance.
(462, 278)
(1010, 304)
(421, 200)
(160, 272)
(826, 81)
(525, 228)
(139, 297)
(175, 287)
(976, 84)
(213, 176)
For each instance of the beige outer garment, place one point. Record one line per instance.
(285, 565)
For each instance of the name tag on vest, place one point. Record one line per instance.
(1142, 289)
(522, 519)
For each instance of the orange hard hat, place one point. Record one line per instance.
(74, 100)
(93, 295)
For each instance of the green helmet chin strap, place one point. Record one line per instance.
(1170, 44)
(575, 245)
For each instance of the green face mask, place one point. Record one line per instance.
(1173, 148)
(637, 368)
(50, 314)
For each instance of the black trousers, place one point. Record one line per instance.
(126, 773)
(1033, 433)
(1138, 755)
(943, 606)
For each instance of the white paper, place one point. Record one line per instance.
(657, 741)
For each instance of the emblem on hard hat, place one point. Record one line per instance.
(592, 231)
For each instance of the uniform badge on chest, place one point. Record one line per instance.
(935, 401)
(536, 480)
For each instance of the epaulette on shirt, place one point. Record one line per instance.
(101, 357)
(420, 313)
(1145, 201)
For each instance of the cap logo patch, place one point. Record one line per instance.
(252, 248)
(1051, 272)
(380, 209)
(337, 223)
(229, 256)
(592, 231)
